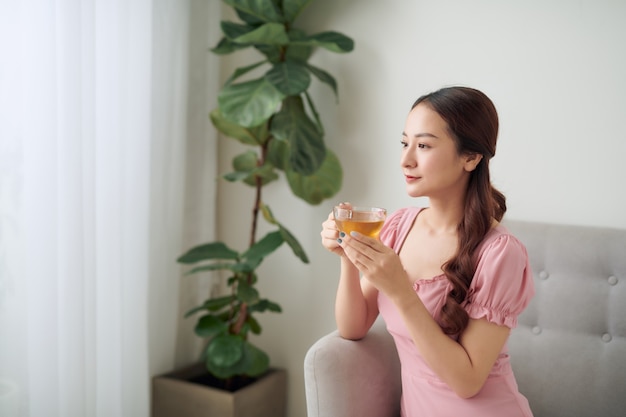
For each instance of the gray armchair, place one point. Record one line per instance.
(347, 378)
(568, 351)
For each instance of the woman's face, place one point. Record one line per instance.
(430, 162)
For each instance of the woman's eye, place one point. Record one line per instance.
(403, 143)
(422, 146)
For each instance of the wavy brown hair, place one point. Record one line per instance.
(473, 124)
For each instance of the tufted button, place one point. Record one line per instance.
(536, 330)
(544, 275)
(612, 280)
(606, 338)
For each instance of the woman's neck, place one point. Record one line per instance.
(443, 217)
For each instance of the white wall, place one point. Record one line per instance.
(555, 70)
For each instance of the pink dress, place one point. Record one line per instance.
(502, 287)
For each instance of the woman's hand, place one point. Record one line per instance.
(330, 233)
(379, 264)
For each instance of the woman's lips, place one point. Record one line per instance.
(410, 178)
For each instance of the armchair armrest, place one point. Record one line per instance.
(345, 378)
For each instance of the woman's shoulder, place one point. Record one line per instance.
(503, 282)
(501, 250)
(499, 238)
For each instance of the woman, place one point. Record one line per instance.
(448, 279)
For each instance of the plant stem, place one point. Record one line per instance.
(243, 309)
(255, 209)
(241, 319)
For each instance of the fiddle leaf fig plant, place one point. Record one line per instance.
(274, 116)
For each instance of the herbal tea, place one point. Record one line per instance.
(368, 228)
(365, 220)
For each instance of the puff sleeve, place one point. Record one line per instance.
(503, 283)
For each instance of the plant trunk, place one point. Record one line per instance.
(243, 310)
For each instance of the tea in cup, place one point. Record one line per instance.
(365, 220)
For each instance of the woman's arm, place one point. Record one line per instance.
(356, 304)
(356, 301)
(463, 365)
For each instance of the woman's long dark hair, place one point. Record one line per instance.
(473, 123)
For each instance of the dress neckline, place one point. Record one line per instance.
(495, 231)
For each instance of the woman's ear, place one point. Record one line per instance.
(472, 160)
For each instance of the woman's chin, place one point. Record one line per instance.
(412, 192)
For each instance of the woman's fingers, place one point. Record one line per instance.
(345, 205)
(379, 264)
(330, 234)
(365, 244)
(358, 249)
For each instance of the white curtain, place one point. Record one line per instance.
(101, 154)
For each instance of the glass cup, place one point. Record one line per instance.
(365, 220)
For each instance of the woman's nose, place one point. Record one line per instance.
(407, 160)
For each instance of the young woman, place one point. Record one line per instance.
(448, 279)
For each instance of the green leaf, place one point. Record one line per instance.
(225, 350)
(194, 311)
(265, 172)
(267, 34)
(292, 8)
(333, 41)
(218, 266)
(299, 52)
(261, 10)
(257, 360)
(293, 243)
(278, 153)
(247, 293)
(307, 148)
(318, 121)
(247, 266)
(231, 280)
(246, 135)
(250, 103)
(298, 49)
(248, 19)
(233, 30)
(209, 326)
(254, 325)
(243, 70)
(324, 77)
(246, 161)
(215, 304)
(265, 305)
(236, 176)
(226, 46)
(207, 251)
(267, 214)
(290, 78)
(247, 170)
(286, 234)
(252, 362)
(265, 246)
(251, 278)
(323, 184)
(271, 52)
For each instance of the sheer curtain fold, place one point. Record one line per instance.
(91, 150)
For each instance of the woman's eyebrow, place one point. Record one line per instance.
(422, 135)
